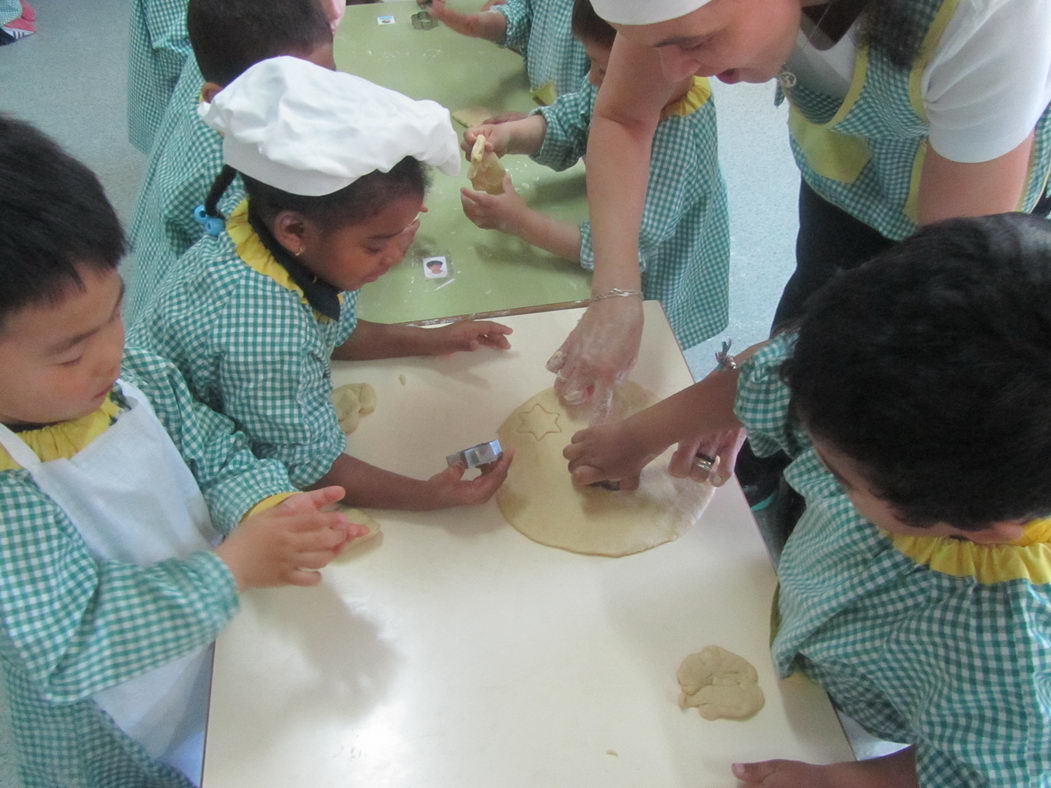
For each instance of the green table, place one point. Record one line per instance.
(489, 271)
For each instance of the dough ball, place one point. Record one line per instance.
(719, 684)
(486, 172)
(353, 401)
(540, 500)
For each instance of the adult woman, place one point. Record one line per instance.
(903, 112)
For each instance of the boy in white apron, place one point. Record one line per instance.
(119, 496)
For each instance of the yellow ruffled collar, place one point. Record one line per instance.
(1026, 558)
(67, 438)
(252, 251)
(689, 102)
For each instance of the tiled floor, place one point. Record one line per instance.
(70, 80)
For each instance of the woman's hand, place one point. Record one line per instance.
(598, 354)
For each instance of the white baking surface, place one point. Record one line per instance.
(453, 651)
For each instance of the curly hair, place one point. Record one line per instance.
(930, 367)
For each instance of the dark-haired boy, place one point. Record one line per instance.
(916, 587)
(227, 36)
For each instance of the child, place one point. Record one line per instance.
(333, 169)
(113, 493)
(17, 20)
(227, 38)
(916, 587)
(684, 242)
(157, 49)
(538, 30)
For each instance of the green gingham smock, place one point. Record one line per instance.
(250, 346)
(684, 238)
(158, 45)
(62, 610)
(181, 168)
(541, 31)
(10, 10)
(940, 643)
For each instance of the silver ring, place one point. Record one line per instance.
(704, 462)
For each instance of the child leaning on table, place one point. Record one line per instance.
(916, 587)
(130, 514)
(538, 30)
(684, 239)
(333, 167)
(227, 38)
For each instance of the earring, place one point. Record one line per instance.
(300, 252)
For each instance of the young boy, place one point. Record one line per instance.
(227, 38)
(333, 168)
(684, 241)
(916, 587)
(114, 493)
(536, 29)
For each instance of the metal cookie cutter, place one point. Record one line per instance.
(422, 20)
(482, 454)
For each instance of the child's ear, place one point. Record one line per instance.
(209, 91)
(292, 231)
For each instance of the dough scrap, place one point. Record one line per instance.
(353, 401)
(486, 172)
(359, 517)
(540, 500)
(719, 684)
(468, 117)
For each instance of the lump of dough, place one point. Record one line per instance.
(359, 517)
(353, 401)
(540, 500)
(719, 684)
(486, 172)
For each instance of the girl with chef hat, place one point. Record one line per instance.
(333, 167)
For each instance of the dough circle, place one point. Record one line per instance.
(719, 684)
(540, 500)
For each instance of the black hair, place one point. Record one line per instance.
(230, 36)
(54, 219)
(589, 26)
(930, 367)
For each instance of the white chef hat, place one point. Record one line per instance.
(307, 130)
(644, 12)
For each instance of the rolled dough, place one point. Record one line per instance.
(719, 684)
(540, 500)
(486, 172)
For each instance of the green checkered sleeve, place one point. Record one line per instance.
(274, 379)
(763, 398)
(541, 31)
(568, 122)
(185, 160)
(518, 14)
(10, 10)
(158, 46)
(230, 476)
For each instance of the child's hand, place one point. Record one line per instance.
(468, 335)
(503, 212)
(608, 452)
(464, 24)
(448, 488)
(498, 137)
(288, 543)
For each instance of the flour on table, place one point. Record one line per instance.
(540, 500)
(719, 684)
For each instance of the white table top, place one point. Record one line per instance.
(453, 651)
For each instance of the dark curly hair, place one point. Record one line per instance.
(930, 367)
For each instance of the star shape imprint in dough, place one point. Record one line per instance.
(538, 422)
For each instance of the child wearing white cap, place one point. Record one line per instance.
(684, 241)
(333, 169)
(537, 29)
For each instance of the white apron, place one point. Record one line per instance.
(133, 499)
